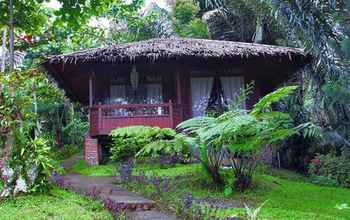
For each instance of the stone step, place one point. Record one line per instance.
(147, 215)
(115, 198)
(102, 188)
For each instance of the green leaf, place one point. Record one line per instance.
(228, 191)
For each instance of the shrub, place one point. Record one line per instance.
(126, 142)
(74, 132)
(148, 141)
(65, 152)
(169, 150)
(325, 168)
(30, 166)
(240, 136)
(323, 180)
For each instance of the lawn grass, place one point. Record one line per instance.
(110, 169)
(102, 170)
(288, 196)
(57, 204)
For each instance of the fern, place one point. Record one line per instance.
(273, 97)
(143, 141)
(241, 134)
(178, 145)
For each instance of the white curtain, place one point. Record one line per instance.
(118, 94)
(200, 91)
(154, 93)
(232, 87)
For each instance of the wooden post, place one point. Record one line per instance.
(171, 113)
(90, 92)
(90, 100)
(100, 120)
(178, 88)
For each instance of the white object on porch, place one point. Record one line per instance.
(154, 93)
(117, 94)
(200, 91)
(232, 87)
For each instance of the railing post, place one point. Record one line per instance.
(90, 118)
(99, 121)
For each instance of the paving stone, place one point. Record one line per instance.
(147, 215)
(104, 189)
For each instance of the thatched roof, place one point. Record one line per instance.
(72, 71)
(174, 49)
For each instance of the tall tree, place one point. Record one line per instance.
(322, 28)
(12, 36)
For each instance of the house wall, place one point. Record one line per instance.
(177, 88)
(105, 80)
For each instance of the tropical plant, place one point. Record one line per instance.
(26, 162)
(34, 163)
(241, 136)
(330, 170)
(186, 20)
(178, 146)
(321, 28)
(75, 130)
(253, 213)
(144, 141)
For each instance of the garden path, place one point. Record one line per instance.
(115, 198)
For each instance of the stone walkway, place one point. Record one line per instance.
(115, 198)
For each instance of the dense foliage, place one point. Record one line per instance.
(327, 169)
(321, 28)
(143, 141)
(240, 136)
(37, 121)
(176, 146)
(26, 162)
(186, 20)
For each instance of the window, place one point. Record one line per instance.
(149, 91)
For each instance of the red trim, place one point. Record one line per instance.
(101, 123)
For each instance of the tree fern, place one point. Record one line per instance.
(273, 97)
(241, 134)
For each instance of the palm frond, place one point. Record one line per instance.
(194, 124)
(271, 98)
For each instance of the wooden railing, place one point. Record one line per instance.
(104, 118)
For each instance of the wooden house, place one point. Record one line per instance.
(161, 82)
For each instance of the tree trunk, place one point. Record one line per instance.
(37, 129)
(6, 173)
(12, 37)
(242, 181)
(14, 182)
(3, 50)
(216, 176)
(59, 138)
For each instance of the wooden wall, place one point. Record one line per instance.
(177, 86)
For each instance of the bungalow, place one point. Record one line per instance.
(161, 82)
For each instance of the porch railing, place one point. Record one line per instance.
(104, 118)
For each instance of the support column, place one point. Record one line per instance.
(178, 87)
(92, 151)
(90, 92)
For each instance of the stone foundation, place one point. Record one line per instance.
(92, 151)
